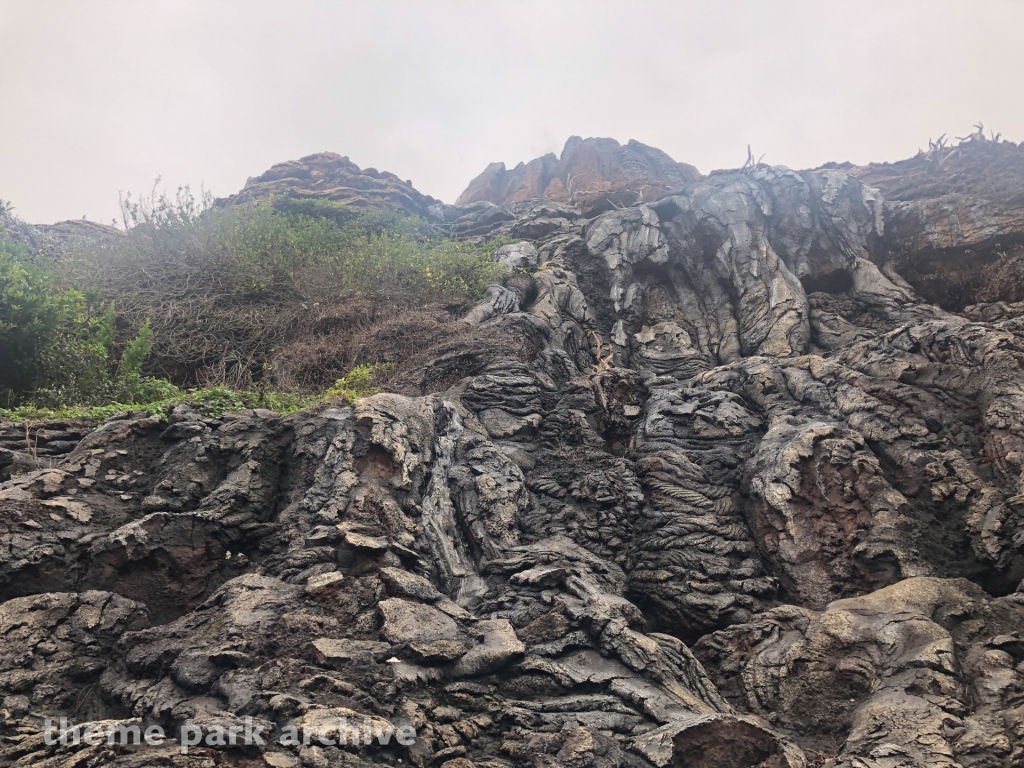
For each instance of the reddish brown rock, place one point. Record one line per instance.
(953, 218)
(592, 174)
(958, 197)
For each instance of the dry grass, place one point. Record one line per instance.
(425, 348)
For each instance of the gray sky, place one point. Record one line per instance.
(105, 95)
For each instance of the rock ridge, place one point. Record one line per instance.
(593, 174)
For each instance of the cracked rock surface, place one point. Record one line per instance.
(754, 501)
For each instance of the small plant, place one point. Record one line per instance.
(137, 351)
(360, 382)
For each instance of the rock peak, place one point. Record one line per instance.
(330, 176)
(593, 174)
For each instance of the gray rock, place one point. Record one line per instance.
(405, 621)
(336, 653)
(517, 255)
(732, 427)
(497, 645)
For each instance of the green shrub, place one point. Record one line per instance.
(360, 382)
(460, 269)
(137, 351)
(37, 321)
(54, 351)
(225, 288)
(265, 248)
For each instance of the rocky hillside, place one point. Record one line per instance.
(743, 490)
(329, 176)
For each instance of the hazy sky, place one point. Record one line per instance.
(98, 96)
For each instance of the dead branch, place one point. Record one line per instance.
(603, 363)
(32, 446)
(751, 163)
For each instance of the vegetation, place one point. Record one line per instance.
(226, 289)
(268, 250)
(32, 313)
(196, 302)
(212, 402)
(360, 382)
(56, 349)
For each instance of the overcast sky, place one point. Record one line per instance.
(99, 96)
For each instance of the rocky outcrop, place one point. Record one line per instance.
(959, 196)
(924, 672)
(58, 240)
(955, 217)
(32, 445)
(591, 174)
(329, 176)
(745, 498)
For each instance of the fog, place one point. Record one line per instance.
(105, 96)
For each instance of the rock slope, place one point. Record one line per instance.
(752, 501)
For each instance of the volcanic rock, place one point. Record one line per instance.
(591, 174)
(329, 176)
(745, 498)
(955, 218)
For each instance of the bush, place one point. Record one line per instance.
(54, 350)
(77, 369)
(360, 382)
(226, 288)
(33, 313)
(267, 248)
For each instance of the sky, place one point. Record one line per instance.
(102, 97)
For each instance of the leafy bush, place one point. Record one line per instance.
(452, 268)
(32, 314)
(266, 247)
(80, 367)
(360, 382)
(226, 288)
(54, 350)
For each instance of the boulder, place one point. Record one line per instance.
(517, 256)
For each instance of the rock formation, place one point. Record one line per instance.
(57, 240)
(329, 176)
(750, 500)
(591, 174)
(956, 219)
